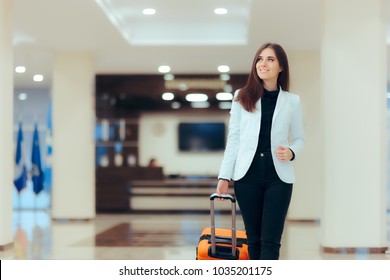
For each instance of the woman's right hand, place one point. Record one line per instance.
(222, 188)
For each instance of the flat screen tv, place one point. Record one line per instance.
(197, 137)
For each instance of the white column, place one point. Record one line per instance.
(6, 123)
(73, 144)
(353, 61)
(306, 203)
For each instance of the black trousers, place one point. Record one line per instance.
(263, 200)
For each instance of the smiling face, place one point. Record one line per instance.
(268, 68)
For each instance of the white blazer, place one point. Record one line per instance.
(243, 137)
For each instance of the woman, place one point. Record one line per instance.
(153, 163)
(265, 136)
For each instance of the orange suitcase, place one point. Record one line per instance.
(220, 243)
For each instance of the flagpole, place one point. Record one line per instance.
(36, 127)
(36, 168)
(20, 168)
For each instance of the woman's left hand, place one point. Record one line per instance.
(284, 154)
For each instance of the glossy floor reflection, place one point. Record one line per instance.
(145, 237)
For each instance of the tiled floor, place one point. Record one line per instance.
(145, 237)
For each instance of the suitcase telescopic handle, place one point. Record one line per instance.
(212, 215)
(224, 196)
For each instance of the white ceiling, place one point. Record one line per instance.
(184, 34)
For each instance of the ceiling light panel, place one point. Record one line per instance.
(220, 11)
(175, 105)
(20, 69)
(149, 11)
(168, 96)
(224, 77)
(180, 22)
(223, 68)
(23, 96)
(196, 97)
(225, 105)
(169, 77)
(223, 96)
(164, 69)
(200, 104)
(38, 78)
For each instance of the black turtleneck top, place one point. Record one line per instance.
(268, 104)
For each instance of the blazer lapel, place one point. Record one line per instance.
(282, 99)
(257, 112)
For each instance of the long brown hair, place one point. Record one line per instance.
(253, 89)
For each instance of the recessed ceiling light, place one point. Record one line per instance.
(225, 105)
(168, 96)
(201, 104)
(220, 11)
(149, 11)
(164, 69)
(223, 96)
(228, 88)
(196, 97)
(175, 105)
(20, 69)
(183, 86)
(223, 68)
(22, 96)
(38, 78)
(169, 77)
(224, 77)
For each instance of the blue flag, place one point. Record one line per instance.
(20, 166)
(36, 167)
(49, 151)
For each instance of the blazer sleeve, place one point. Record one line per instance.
(297, 139)
(233, 141)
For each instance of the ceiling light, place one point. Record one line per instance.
(175, 105)
(224, 77)
(223, 68)
(149, 11)
(223, 96)
(164, 69)
(183, 86)
(137, 33)
(20, 69)
(196, 97)
(168, 96)
(23, 96)
(220, 11)
(38, 78)
(225, 105)
(169, 77)
(201, 104)
(228, 88)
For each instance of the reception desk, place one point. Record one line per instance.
(143, 189)
(182, 194)
(113, 185)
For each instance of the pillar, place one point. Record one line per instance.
(353, 66)
(6, 124)
(73, 193)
